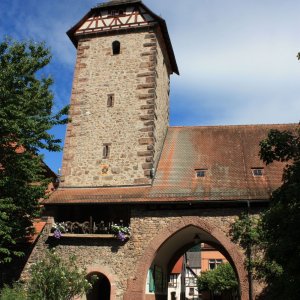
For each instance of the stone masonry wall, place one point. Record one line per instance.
(122, 261)
(161, 113)
(133, 128)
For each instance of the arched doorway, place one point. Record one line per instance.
(101, 288)
(171, 242)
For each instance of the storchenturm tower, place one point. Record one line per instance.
(120, 96)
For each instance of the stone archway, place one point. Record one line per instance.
(136, 286)
(108, 279)
(101, 288)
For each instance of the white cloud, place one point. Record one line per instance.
(237, 58)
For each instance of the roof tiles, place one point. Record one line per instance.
(228, 153)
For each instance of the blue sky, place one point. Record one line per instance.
(237, 58)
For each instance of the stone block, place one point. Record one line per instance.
(147, 117)
(146, 86)
(145, 96)
(147, 166)
(153, 44)
(145, 153)
(146, 141)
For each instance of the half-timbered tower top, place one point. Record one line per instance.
(122, 15)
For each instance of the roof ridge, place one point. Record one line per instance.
(116, 2)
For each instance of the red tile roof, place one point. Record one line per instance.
(178, 266)
(38, 228)
(227, 152)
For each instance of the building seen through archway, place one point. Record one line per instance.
(180, 261)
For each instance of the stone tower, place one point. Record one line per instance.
(120, 96)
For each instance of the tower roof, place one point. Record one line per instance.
(133, 14)
(116, 2)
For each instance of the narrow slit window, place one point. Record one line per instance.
(110, 100)
(116, 46)
(106, 150)
(257, 172)
(200, 172)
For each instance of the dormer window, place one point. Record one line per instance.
(116, 46)
(257, 172)
(200, 172)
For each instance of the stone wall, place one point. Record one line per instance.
(127, 263)
(134, 126)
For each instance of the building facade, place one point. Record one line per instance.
(125, 168)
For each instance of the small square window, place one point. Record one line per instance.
(257, 171)
(214, 263)
(200, 172)
(191, 292)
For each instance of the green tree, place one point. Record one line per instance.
(275, 233)
(281, 222)
(26, 116)
(219, 280)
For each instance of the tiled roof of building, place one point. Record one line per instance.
(193, 259)
(38, 228)
(226, 153)
(178, 266)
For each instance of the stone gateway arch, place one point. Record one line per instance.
(135, 191)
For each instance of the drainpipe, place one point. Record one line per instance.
(249, 257)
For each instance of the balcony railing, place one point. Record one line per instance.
(91, 227)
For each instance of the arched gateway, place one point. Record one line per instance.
(170, 243)
(133, 190)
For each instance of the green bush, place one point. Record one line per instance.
(219, 280)
(54, 278)
(16, 292)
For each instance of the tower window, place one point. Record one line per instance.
(110, 100)
(106, 150)
(116, 45)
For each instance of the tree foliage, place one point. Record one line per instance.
(277, 234)
(55, 278)
(219, 280)
(52, 278)
(281, 222)
(26, 116)
(17, 292)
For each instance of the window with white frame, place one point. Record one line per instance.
(214, 263)
(173, 280)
